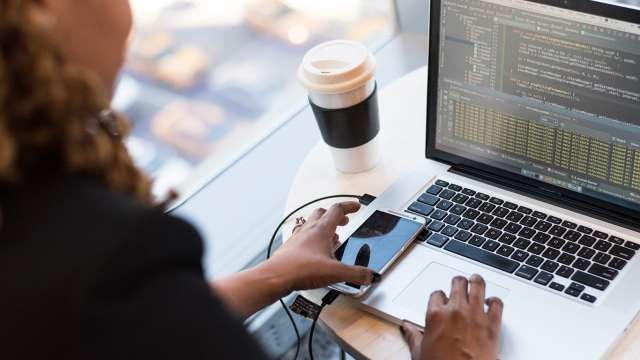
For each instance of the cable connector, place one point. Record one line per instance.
(330, 297)
(367, 199)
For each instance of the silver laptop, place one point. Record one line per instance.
(532, 176)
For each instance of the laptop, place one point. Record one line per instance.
(532, 176)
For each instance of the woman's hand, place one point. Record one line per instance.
(458, 328)
(307, 258)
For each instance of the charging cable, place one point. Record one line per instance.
(365, 200)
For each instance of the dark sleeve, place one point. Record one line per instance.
(152, 301)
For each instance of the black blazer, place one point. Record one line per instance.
(85, 273)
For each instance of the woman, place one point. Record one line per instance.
(89, 269)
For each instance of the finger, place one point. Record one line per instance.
(353, 274)
(437, 299)
(335, 215)
(413, 336)
(459, 286)
(344, 222)
(477, 292)
(335, 241)
(317, 214)
(495, 312)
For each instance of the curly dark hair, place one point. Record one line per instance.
(49, 114)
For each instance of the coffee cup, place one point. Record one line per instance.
(340, 79)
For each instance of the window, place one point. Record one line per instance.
(206, 79)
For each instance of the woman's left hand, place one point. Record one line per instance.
(307, 259)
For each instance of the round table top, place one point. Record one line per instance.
(403, 106)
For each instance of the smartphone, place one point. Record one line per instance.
(379, 241)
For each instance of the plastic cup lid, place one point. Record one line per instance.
(336, 67)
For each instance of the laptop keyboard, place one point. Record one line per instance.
(518, 240)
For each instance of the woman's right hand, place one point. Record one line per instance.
(458, 327)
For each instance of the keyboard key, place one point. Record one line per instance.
(491, 245)
(632, 246)
(564, 271)
(468, 192)
(449, 231)
(616, 240)
(471, 214)
(541, 238)
(520, 256)
(483, 197)
(602, 245)
(477, 240)
(510, 206)
(557, 287)
(527, 233)
(573, 235)
(539, 215)
(428, 199)
(534, 261)
(482, 256)
(557, 230)
(465, 224)
(554, 220)
(585, 230)
(434, 190)
(603, 271)
(496, 201)
(493, 234)
(458, 209)
(590, 280)
(551, 253)
(460, 199)
(582, 264)
(586, 253)
(485, 219)
(473, 203)
(479, 229)
(571, 248)
(522, 243)
(570, 225)
(436, 226)
(572, 292)
(543, 226)
(420, 208)
(525, 210)
(424, 235)
(455, 187)
(556, 243)
(588, 298)
(444, 205)
(505, 250)
(587, 240)
(526, 272)
(500, 212)
(452, 219)
(536, 248)
(447, 194)
(602, 258)
(566, 259)
(513, 228)
(499, 223)
(528, 221)
(543, 278)
(463, 236)
(442, 183)
(437, 240)
(622, 252)
(600, 235)
(507, 238)
(514, 216)
(487, 207)
(550, 266)
(438, 214)
(617, 263)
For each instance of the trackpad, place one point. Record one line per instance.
(433, 277)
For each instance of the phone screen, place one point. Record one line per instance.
(385, 234)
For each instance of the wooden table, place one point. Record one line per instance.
(403, 112)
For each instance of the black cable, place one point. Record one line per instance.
(366, 198)
(313, 328)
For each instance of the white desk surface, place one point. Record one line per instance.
(403, 107)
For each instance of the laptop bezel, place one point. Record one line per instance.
(563, 197)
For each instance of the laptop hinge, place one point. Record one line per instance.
(548, 195)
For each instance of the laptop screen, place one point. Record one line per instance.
(543, 92)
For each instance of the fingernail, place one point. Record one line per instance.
(402, 328)
(376, 277)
